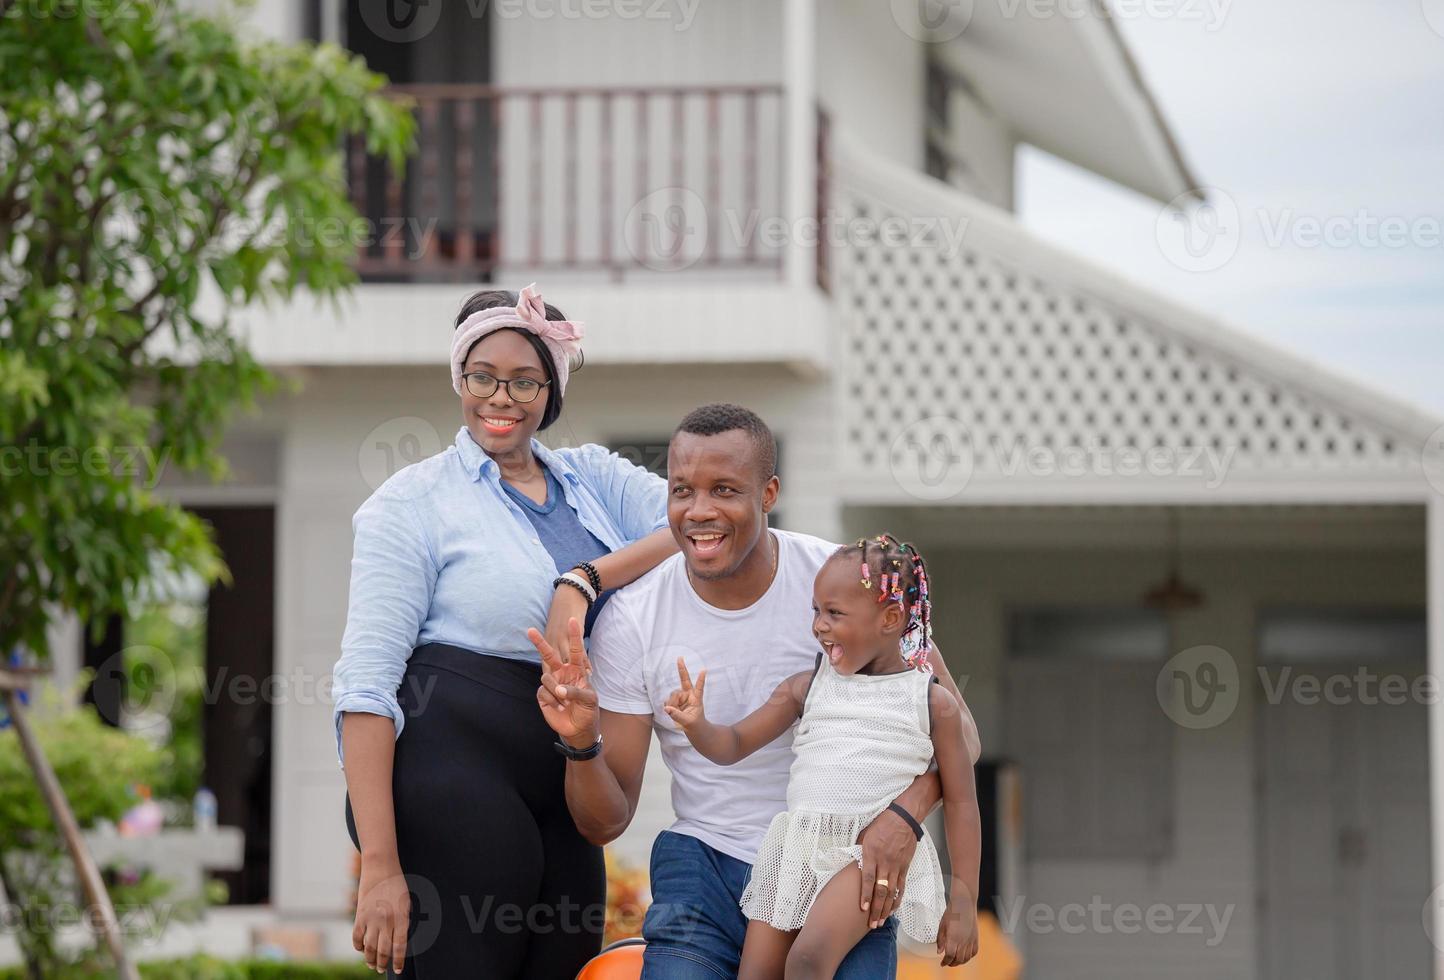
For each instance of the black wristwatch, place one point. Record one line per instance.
(580, 755)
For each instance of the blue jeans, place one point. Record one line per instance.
(694, 927)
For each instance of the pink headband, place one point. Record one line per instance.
(561, 337)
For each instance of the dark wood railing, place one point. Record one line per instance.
(613, 180)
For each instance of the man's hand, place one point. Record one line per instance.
(958, 933)
(383, 914)
(684, 705)
(888, 846)
(567, 604)
(566, 698)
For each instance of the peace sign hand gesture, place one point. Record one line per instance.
(684, 705)
(567, 700)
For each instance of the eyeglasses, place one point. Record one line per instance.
(518, 389)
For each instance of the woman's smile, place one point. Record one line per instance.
(498, 425)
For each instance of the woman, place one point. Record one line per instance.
(470, 863)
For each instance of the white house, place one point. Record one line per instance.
(1183, 576)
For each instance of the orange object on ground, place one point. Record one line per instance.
(622, 960)
(997, 959)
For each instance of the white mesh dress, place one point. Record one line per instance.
(861, 741)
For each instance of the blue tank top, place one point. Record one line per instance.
(562, 534)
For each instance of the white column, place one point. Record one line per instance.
(65, 640)
(799, 31)
(331, 21)
(277, 19)
(1434, 567)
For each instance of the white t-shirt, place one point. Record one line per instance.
(634, 647)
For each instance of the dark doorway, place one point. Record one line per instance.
(407, 42)
(240, 656)
(107, 690)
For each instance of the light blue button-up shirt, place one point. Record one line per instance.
(443, 555)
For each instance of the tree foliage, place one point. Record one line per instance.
(159, 170)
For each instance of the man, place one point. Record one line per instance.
(734, 602)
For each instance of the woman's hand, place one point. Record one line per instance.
(888, 845)
(958, 933)
(566, 698)
(567, 604)
(684, 705)
(383, 915)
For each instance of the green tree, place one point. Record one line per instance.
(159, 170)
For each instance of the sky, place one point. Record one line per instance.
(1319, 127)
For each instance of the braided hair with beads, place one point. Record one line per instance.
(895, 569)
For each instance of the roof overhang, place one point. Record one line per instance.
(392, 324)
(1037, 377)
(1065, 81)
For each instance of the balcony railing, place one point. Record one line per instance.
(615, 181)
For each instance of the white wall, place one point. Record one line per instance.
(675, 42)
(985, 146)
(1215, 806)
(278, 19)
(870, 77)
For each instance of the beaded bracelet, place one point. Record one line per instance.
(578, 583)
(592, 574)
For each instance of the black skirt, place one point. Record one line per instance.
(502, 884)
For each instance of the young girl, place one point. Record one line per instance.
(872, 719)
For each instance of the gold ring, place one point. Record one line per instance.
(882, 882)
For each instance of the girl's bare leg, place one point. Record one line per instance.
(834, 925)
(764, 952)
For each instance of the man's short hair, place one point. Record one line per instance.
(711, 420)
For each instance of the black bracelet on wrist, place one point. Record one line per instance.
(563, 580)
(917, 827)
(580, 755)
(593, 575)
